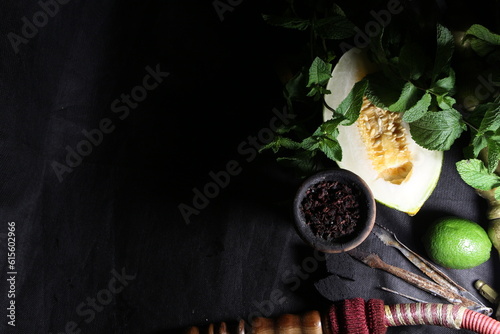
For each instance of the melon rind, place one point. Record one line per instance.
(407, 197)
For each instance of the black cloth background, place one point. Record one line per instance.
(103, 247)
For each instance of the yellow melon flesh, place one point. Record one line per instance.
(378, 146)
(384, 138)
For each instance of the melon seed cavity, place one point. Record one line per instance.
(384, 136)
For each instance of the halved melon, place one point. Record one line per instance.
(378, 146)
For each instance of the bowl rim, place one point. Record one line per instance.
(322, 244)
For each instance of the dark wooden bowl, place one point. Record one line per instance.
(364, 224)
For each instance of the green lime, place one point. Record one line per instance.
(457, 243)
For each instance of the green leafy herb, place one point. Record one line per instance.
(412, 61)
(281, 142)
(483, 34)
(287, 22)
(302, 161)
(295, 89)
(350, 107)
(417, 85)
(482, 40)
(486, 133)
(490, 118)
(446, 84)
(419, 109)
(410, 94)
(493, 154)
(476, 175)
(438, 130)
(319, 74)
(445, 48)
(324, 140)
(417, 79)
(334, 27)
(445, 101)
(383, 92)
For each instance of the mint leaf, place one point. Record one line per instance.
(438, 130)
(294, 89)
(301, 160)
(493, 155)
(412, 61)
(478, 143)
(490, 119)
(486, 119)
(321, 143)
(482, 40)
(310, 143)
(445, 101)
(317, 92)
(319, 74)
(478, 114)
(377, 49)
(419, 109)
(351, 105)
(329, 128)
(446, 84)
(280, 142)
(324, 139)
(410, 94)
(476, 175)
(285, 129)
(334, 27)
(483, 33)
(287, 22)
(331, 148)
(444, 50)
(382, 91)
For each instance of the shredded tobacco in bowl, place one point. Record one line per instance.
(331, 209)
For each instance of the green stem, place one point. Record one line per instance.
(470, 125)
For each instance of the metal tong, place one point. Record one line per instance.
(441, 285)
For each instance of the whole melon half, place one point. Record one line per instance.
(378, 146)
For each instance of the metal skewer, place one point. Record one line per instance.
(441, 285)
(390, 239)
(418, 300)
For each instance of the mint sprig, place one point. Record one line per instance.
(418, 86)
(324, 138)
(445, 46)
(333, 27)
(483, 153)
(417, 79)
(348, 110)
(319, 74)
(475, 174)
(485, 129)
(418, 110)
(482, 40)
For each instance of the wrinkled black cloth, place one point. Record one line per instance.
(115, 116)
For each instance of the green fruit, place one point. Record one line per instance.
(457, 243)
(378, 147)
(494, 233)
